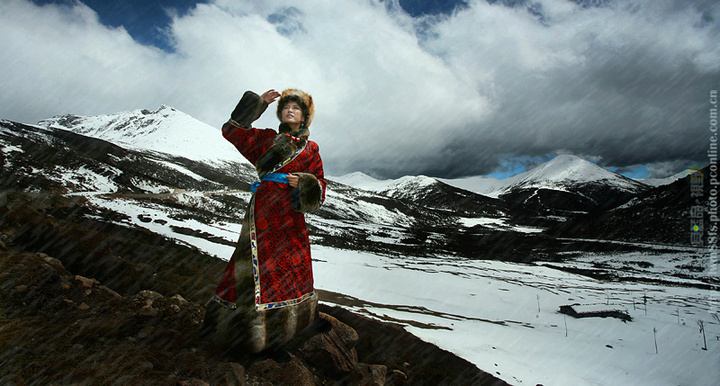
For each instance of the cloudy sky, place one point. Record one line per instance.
(478, 87)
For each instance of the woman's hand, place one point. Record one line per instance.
(269, 96)
(293, 180)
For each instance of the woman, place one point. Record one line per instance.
(266, 295)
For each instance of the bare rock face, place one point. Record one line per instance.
(230, 374)
(292, 372)
(333, 351)
(333, 354)
(373, 375)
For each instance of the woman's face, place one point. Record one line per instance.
(292, 113)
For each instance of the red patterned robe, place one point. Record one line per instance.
(266, 294)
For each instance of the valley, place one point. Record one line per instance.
(479, 271)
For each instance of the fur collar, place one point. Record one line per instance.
(285, 145)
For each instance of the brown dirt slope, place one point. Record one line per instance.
(84, 301)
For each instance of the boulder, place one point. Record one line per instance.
(86, 282)
(230, 374)
(333, 352)
(291, 372)
(192, 364)
(373, 375)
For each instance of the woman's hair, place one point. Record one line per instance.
(303, 99)
(296, 99)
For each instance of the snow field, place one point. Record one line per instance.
(134, 209)
(504, 317)
(88, 180)
(487, 312)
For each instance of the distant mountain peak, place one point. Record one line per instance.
(667, 180)
(567, 167)
(161, 109)
(166, 130)
(569, 170)
(360, 180)
(571, 184)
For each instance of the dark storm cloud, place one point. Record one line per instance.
(625, 88)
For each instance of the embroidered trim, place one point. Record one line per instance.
(286, 303)
(287, 161)
(224, 302)
(254, 252)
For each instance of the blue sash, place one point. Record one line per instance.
(275, 177)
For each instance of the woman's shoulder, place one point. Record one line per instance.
(267, 130)
(234, 126)
(312, 145)
(265, 133)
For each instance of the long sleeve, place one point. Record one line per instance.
(251, 142)
(249, 109)
(310, 193)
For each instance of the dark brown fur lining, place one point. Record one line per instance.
(250, 107)
(306, 197)
(285, 145)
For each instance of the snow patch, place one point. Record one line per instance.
(497, 223)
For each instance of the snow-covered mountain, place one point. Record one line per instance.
(164, 130)
(568, 173)
(666, 208)
(564, 185)
(56, 159)
(665, 181)
(471, 208)
(570, 184)
(363, 181)
(166, 152)
(434, 193)
(487, 186)
(53, 159)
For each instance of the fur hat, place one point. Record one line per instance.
(300, 97)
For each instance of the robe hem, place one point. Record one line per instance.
(223, 302)
(266, 306)
(284, 303)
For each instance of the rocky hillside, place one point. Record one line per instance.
(84, 301)
(661, 215)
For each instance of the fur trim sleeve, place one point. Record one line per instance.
(249, 109)
(307, 197)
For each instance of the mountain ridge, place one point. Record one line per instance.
(568, 182)
(171, 131)
(559, 173)
(166, 130)
(420, 205)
